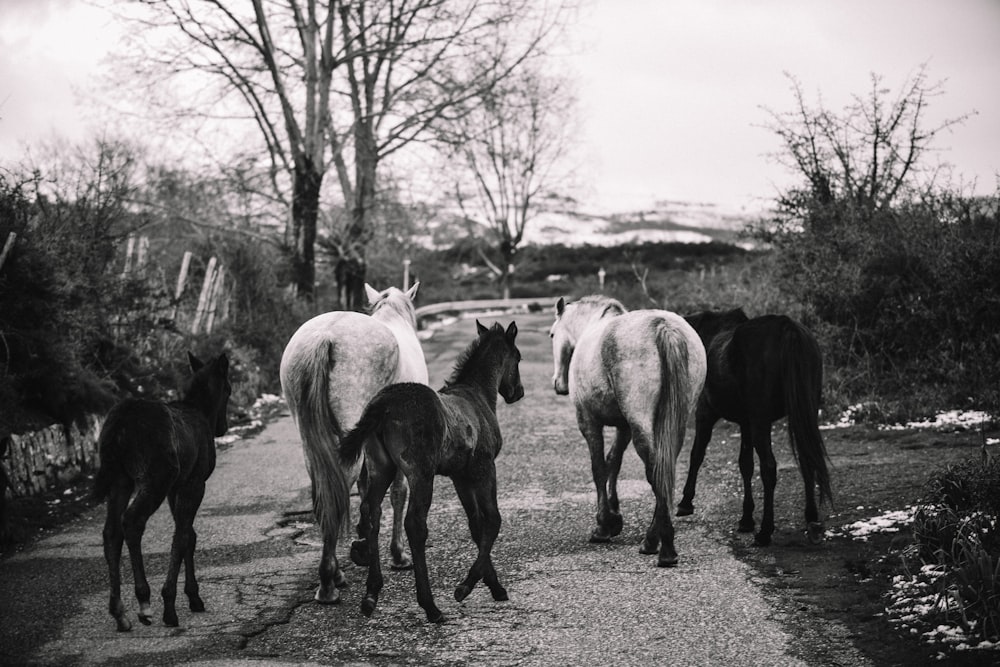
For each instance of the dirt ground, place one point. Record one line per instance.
(831, 595)
(836, 592)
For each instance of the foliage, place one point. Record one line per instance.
(898, 270)
(79, 330)
(957, 537)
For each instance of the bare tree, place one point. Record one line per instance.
(865, 157)
(512, 146)
(340, 84)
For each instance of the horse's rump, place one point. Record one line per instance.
(647, 358)
(140, 434)
(399, 416)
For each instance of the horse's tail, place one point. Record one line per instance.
(110, 461)
(802, 368)
(112, 450)
(672, 409)
(306, 384)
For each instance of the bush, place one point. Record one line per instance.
(957, 538)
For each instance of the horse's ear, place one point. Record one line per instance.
(223, 364)
(511, 331)
(372, 294)
(196, 363)
(560, 306)
(480, 329)
(411, 293)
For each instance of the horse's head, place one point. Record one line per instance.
(395, 300)
(510, 386)
(563, 343)
(210, 389)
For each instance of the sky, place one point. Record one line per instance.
(672, 93)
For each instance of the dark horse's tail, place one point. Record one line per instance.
(374, 417)
(802, 368)
(110, 448)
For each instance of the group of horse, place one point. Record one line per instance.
(357, 388)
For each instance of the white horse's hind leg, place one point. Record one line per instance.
(397, 496)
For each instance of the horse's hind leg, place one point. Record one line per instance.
(480, 503)
(623, 436)
(397, 496)
(184, 504)
(593, 433)
(147, 500)
(660, 533)
(815, 530)
(704, 422)
(114, 537)
(378, 484)
(747, 522)
(421, 493)
(769, 476)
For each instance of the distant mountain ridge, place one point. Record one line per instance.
(664, 222)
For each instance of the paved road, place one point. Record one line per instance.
(571, 602)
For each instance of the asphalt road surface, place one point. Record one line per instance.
(571, 602)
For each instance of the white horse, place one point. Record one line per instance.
(332, 366)
(640, 372)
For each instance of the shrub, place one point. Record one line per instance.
(957, 537)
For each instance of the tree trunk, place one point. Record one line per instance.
(351, 270)
(305, 211)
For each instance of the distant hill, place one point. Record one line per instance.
(570, 224)
(664, 222)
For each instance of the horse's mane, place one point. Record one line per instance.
(396, 300)
(613, 306)
(468, 353)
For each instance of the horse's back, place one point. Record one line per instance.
(620, 361)
(751, 363)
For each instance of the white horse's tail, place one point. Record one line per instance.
(306, 384)
(672, 409)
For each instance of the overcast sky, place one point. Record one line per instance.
(671, 91)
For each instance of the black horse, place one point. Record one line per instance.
(160, 450)
(452, 432)
(760, 370)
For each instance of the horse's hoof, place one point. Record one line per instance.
(462, 592)
(123, 624)
(434, 615)
(170, 619)
(667, 561)
(615, 524)
(331, 596)
(402, 563)
(368, 605)
(685, 509)
(196, 604)
(648, 547)
(145, 620)
(746, 526)
(500, 594)
(816, 532)
(359, 553)
(762, 540)
(600, 536)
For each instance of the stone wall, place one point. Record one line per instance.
(40, 460)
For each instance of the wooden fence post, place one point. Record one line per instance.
(206, 288)
(181, 281)
(213, 299)
(7, 247)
